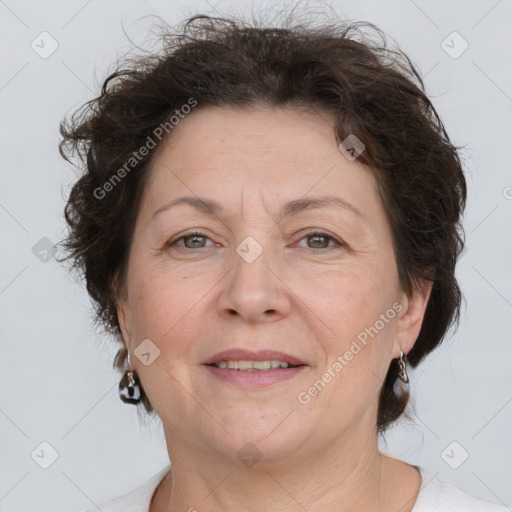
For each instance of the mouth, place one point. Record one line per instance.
(254, 369)
(246, 360)
(253, 366)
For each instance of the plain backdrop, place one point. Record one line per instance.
(57, 384)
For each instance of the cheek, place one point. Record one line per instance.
(166, 306)
(349, 302)
(357, 304)
(167, 311)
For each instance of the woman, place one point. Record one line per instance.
(269, 220)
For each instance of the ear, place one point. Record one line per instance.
(410, 319)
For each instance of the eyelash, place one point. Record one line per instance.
(313, 233)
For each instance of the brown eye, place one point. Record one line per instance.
(195, 240)
(320, 240)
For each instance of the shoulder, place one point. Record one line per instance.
(437, 496)
(137, 500)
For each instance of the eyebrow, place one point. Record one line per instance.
(213, 208)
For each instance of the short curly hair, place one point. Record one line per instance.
(372, 90)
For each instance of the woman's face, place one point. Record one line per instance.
(257, 278)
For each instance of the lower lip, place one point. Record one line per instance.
(258, 379)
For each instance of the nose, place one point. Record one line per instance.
(254, 291)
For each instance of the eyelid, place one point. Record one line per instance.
(304, 234)
(177, 238)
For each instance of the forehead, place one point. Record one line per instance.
(229, 132)
(267, 152)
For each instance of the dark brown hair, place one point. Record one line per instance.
(344, 69)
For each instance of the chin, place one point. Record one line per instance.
(270, 438)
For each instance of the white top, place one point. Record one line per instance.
(434, 496)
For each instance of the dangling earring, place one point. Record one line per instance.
(129, 386)
(403, 368)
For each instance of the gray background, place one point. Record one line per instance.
(56, 379)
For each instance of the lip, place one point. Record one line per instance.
(239, 354)
(253, 380)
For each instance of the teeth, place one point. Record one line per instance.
(251, 365)
(244, 365)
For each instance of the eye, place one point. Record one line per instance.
(197, 240)
(194, 240)
(320, 240)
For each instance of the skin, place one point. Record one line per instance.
(304, 296)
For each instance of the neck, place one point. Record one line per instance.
(351, 474)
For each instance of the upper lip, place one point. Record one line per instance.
(240, 354)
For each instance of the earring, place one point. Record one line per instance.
(403, 368)
(129, 386)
